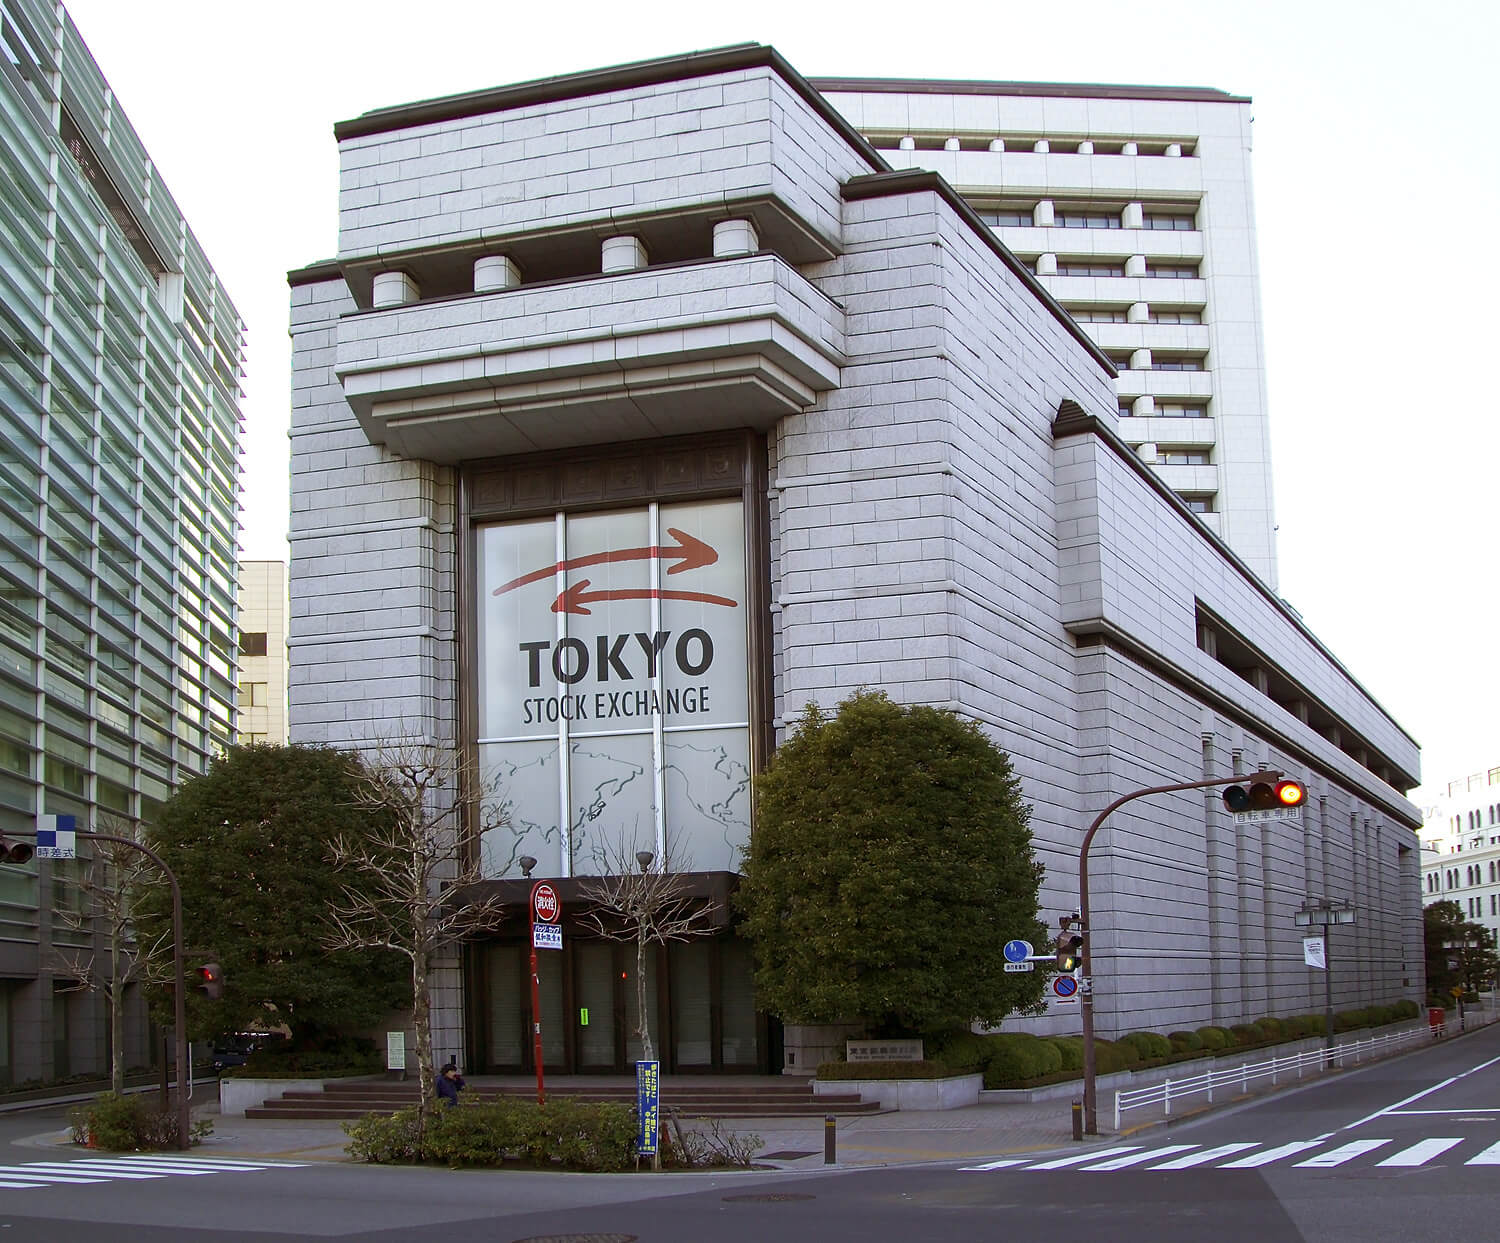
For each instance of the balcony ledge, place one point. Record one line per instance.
(657, 352)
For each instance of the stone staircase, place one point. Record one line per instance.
(696, 1098)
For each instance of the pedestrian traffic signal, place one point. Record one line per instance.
(1264, 796)
(15, 852)
(1069, 951)
(209, 980)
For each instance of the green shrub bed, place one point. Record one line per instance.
(1021, 1060)
(137, 1123)
(563, 1134)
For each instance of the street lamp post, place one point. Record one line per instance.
(1086, 991)
(1324, 913)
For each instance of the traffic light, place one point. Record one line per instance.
(15, 852)
(1069, 951)
(209, 980)
(1264, 796)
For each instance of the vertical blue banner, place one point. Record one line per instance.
(647, 1105)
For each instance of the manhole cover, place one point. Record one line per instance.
(787, 1154)
(770, 1197)
(579, 1238)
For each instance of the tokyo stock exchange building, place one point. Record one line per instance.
(641, 408)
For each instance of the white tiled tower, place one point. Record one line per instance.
(1132, 204)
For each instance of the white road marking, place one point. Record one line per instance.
(995, 1165)
(1271, 1154)
(1442, 1112)
(1063, 1162)
(1416, 1096)
(1203, 1158)
(1120, 1163)
(130, 1169)
(1490, 1156)
(1421, 1153)
(1337, 1156)
(44, 1174)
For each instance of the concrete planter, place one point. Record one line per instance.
(907, 1094)
(238, 1095)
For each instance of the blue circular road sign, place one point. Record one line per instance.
(1017, 951)
(1064, 985)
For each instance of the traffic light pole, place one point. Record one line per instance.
(1086, 1001)
(179, 1004)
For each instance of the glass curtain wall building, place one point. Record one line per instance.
(120, 371)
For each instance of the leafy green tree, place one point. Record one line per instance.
(1459, 951)
(250, 842)
(891, 861)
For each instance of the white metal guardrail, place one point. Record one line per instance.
(1241, 1077)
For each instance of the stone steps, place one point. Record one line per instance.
(343, 1099)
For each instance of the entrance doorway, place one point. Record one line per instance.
(699, 997)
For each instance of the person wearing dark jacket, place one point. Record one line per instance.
(449, 1084)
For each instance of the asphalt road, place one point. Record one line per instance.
(1407, 1149)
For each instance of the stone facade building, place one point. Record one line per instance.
(640, 408)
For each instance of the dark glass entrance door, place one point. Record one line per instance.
(596, 1010)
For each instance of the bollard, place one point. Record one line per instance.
(830, 1140)
(1078, 1120)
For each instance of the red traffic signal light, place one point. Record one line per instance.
(209, 980)
(1264, 796)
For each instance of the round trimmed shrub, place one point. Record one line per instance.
(1407, 1009)
(1214, 1038)
(1270, 1029)
(1115, 1055)
(962, 1052)
(1016, 1057)
(1185, 1042)
(1149, 1045)
(1245, 1034)
(1071, 1048)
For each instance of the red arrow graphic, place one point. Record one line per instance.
(690, 552)
(577, 598)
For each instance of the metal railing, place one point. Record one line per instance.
(1279, 1067)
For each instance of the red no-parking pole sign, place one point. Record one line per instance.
(546, 933)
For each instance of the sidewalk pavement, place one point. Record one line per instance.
(907, 1137)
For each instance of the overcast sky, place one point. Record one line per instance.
(1376, 190)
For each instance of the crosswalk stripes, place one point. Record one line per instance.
(1307, 1154)
(140, 1168)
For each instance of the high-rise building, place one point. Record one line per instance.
(120, 366)
(263, 662)
(1132, 205)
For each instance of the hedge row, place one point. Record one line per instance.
(572, 1135)
(1019, 1059)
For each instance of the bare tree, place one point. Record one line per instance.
(417, 862)
(98, 898)
(643, 899)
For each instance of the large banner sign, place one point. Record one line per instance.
(622, 636)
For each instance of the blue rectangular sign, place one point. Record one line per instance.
(647, 1105)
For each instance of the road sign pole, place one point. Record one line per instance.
(1086, 1001)
(536, 1004)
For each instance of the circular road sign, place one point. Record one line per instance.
(544, 902)
(1018, 951)
(1064, 985)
